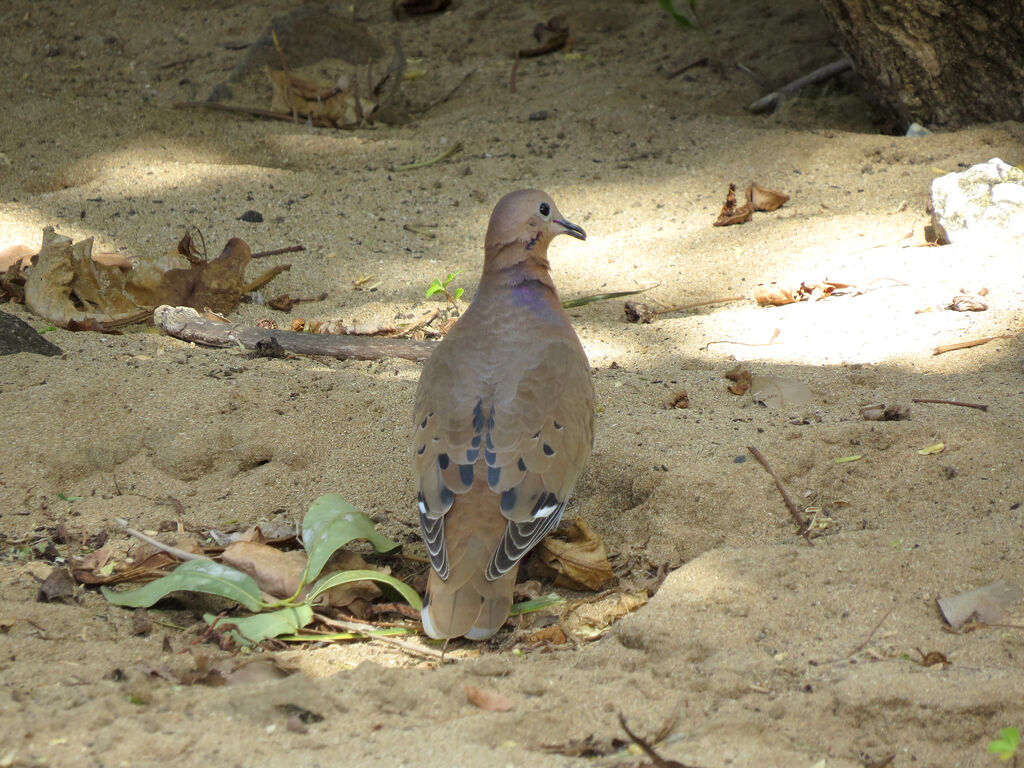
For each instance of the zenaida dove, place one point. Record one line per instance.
(504, 424)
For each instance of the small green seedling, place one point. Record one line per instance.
(68, 497)
(682, 19)
(441, 286)
(330, 524)
(1006, 745)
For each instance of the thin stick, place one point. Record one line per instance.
(684, 307)
(444, 98)
(181, 554)
(417, 324)
(456, 147)
(279, 251)
(878, 626)
(288, 78)
(420, 229)
(187, 324)
(216, 106)
(702, 62)
(979, 406)
(769, 102)
(512, 77)
(968, 344)
(744, 343)
(351, 626)
(785, 496)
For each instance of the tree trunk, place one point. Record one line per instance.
(938, 62)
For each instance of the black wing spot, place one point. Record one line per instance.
(478, 416)
(466, 474)
(536, 435)
(508, 499)
(493, 476)
(557, 425)
(521, 464)
(472, 454)
(447, 497)
(423, 424)
(548, 450)
(443, 461)
(422, 450)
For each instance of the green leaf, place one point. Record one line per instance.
(584, 300)
(346, 577)
(207, 576)
(537, 604)
(68, 497)
(458, 293)
(319, 638)
(670, 8)
(1006, 746)
(330, 524)
(451, 276)
(250, 630)
(435, 287)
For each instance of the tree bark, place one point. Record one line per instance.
(938, 62)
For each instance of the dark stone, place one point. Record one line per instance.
(254, 217)
(18, 336)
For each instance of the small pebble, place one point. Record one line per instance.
(254, 217)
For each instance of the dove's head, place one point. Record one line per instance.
(522, 225)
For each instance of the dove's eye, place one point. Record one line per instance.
(545, 210)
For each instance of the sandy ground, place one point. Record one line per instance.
(778, 653)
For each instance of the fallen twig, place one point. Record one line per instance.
(417, 324)
(420, 229)
(181, 554)
(785, 496)
(768, 343)
(278, 251)
(361, 629)
(701, 62)
(187, 324)
(643, 313)
(943, 348)
(319, 122)
(456, 147)
(512, 77)
(769, 102)
(657, 760)
(979, 406)
(443, 99)
(867, 640)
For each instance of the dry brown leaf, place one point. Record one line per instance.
(551, 36)
(314, 96)
(764, 199)
(731, 213)
(577, 557)
(965, 303)
(215, 284)
(740, 376)
(774, 295)
(590, 620)
(554, 635)
(492, 701)
(15, 254)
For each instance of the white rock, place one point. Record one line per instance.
(985, 201)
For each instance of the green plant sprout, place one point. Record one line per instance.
(1006, 745)
(682, 19)
(441, 286)
(330, 524)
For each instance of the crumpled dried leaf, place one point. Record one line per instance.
(985, 603)
(740, 376)
(100, 567)
(764, 199)
(777, 391)
(15, 254)
(551, 36)
(72, 289)
(590, 620)
(966, 303)
(577, 557)
(758, 198)
(731, 213)
(56, 586)
(279, 573)
(315, 97)
(773, 294)
(636, 312)
(483, 698)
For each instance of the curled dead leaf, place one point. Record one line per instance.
(764, 199)
(483, 698)
(732, 213)
(15, 254)
(740, 376)
(576, 557)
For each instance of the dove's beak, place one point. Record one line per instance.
(571, 229)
